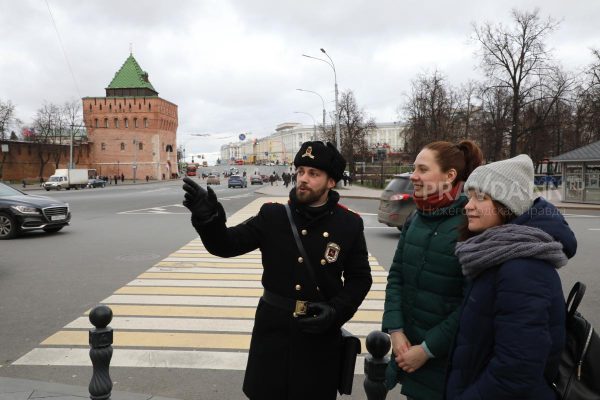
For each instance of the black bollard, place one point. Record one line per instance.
(101, 339)
(376, 362)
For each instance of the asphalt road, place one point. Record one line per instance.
(117, 233)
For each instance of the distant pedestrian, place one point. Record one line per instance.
(123, 177)
(116, 179)
(147, 178)
(24, 183)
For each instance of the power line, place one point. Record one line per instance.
(63, 49)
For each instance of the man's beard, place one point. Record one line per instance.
(309, 196)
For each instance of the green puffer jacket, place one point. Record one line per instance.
(423, 296)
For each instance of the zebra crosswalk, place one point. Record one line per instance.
(190, 310)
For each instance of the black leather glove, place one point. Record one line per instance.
(319, 318)
(201, 202)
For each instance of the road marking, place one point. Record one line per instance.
(594, 229)
(217, 360)
(190, 310)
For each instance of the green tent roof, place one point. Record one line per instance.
(131, 76)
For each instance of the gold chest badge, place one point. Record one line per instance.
(332, 251)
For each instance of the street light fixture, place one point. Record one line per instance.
(338, 139)
(322, 101)
(314, 123)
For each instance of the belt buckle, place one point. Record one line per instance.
(301, 308)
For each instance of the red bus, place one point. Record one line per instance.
(190, 169)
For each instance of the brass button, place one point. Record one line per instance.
(298, 287)
(295, 315)
(300, 259)
(304, 232)
(318, 289)
(325, 234)
(323, 262)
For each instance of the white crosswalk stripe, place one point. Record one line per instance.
(190, 310)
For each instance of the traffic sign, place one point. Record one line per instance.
(242, 137)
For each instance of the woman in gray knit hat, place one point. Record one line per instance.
(512, 324)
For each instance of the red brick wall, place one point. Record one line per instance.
(115, 150)
(22, 160)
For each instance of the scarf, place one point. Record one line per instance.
(506, 242)
(438, 200)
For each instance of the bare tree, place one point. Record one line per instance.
(354, 127)
(48, 126)
(514, 58)
(431, 111)
(7, 117)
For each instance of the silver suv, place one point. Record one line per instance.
(396, 201)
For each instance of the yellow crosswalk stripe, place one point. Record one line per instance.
(212, 312)
(211, 291)
(157, 339)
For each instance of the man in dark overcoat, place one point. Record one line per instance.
(296, 340)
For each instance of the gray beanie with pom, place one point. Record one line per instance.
(509, 182)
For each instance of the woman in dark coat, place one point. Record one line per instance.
(512, 325)
(425, 283)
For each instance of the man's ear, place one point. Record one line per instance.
(330, 183)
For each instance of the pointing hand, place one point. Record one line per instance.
(202, 203)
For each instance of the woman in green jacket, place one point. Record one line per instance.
(425, 282)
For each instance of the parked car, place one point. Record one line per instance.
(256, 180)
(95, 182)
(21, 212)
(396, 201)
(237, 181)
(213, 180)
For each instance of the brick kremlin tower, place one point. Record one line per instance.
(131, 131)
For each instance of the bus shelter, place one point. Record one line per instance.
(581, 174)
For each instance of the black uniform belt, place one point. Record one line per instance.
(296, 307)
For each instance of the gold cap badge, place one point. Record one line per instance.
(308, 152)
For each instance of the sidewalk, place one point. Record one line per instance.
(23, 389)
(360, 192)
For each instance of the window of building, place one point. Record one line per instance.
(90, 107)
(126, 123)
(110, 107)
(106, 122)
(100, 107)
(135, 122)
(96, 123)
(140, 106)
(149, 107)
(130, 107)
(116, 122)
(122, 146)
(103, 146)
(140, 145)
(119, 106)
(145, 122)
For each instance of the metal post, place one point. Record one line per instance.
(101, 339)
(338, 138)
(376, 362)
(71, 149)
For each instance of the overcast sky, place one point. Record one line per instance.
(232, 66)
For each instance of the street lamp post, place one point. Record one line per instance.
(314, 123)
(322, 101)
(338, 139)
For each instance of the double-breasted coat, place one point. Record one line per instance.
(284, 362)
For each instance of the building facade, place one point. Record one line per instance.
(281, 146)
(131, 131)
